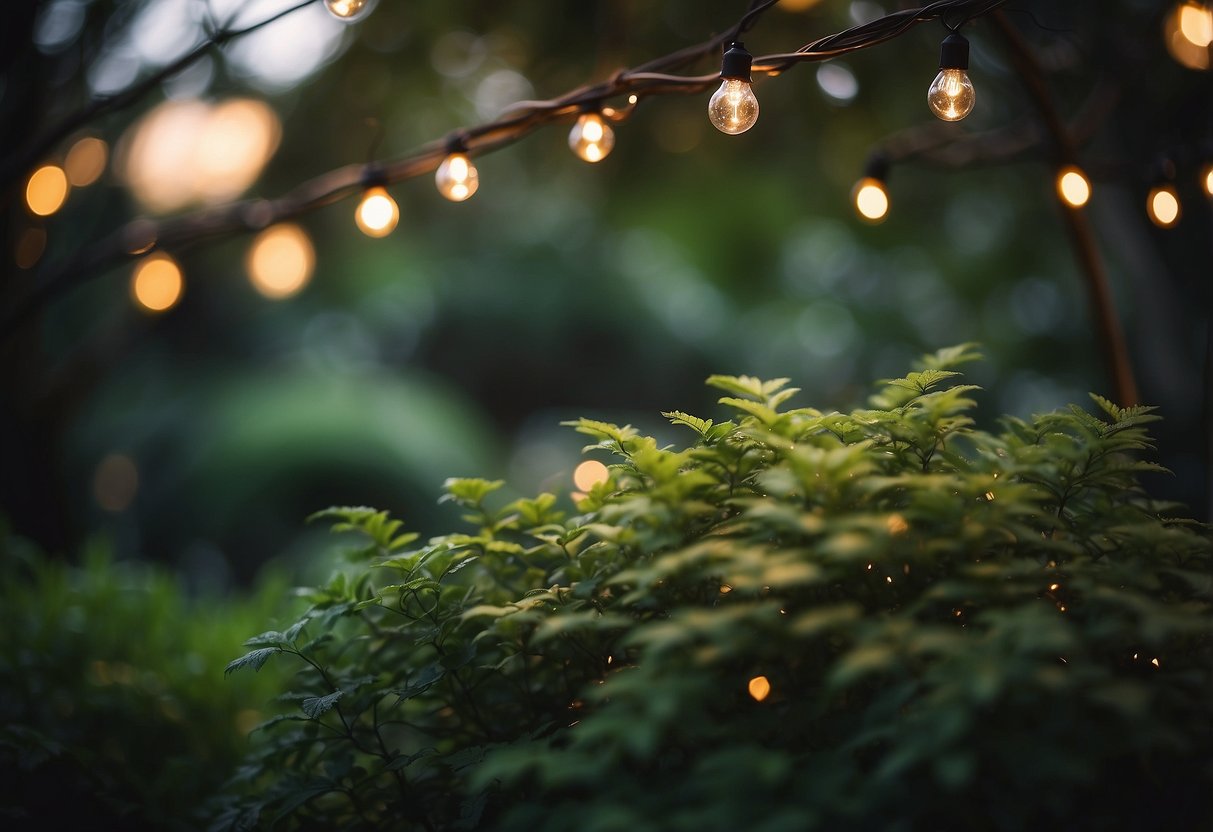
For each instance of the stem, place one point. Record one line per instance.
(1110, 335)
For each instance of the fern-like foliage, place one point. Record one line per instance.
(883, 619)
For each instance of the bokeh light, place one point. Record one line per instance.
(349, 10)
(30, 247)
(1188, 33)
(1206, 179)
(760, 688)
(115, 482)
(457, 178)
(46, 190)
(1163, 206)
(188, 152)
(589, 474)
(156, 283)
(85, 161)
(377, 213)
(1073, 187)
(871, 199)
(280, 261)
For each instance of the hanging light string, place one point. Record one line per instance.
(631, 86)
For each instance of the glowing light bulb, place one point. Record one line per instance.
(1162, 205)
(759, 688)
(280, 261)
(377, 214)
(156, 283)
(591, 138)
(733, 108)
(1206, 179)
(1073, 187)
(1196, 24)
(46, 190)
(457, 178)
(951, 96)
(349, 10)
(871, 199)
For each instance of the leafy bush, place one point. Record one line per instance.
(885, 619)
(112, 714)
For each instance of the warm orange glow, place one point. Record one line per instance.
(85, 162)
(725, 589)
(186, 152)
(348, 10)
(1188, 34)
(797, 5)
(760, 688)
(1195, 23)
(115, 482)
(280, 260)
(589, 474)
(896, 524)
(46, 190)
(457, 178)
(1054, 587)
(1206, 179)
(30, 247)
(1073, 187)
(157, 284)
(377, 214)
(1163, 206)
(1155, 662)
(871, 199)
(591, 138)
(989, 496)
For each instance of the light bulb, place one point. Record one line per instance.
(1206, 179)
(1196, 24)
(156, 283)
(377, 214)
(951, 96)
(349, 10)
(591, 138)
(457, 178)
(1073, 187)
(871, 199)
(1162, 205)
(733, 108)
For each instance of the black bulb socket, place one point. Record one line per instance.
(737, 62)
(954, 52)
(373, 176)
(877, 167)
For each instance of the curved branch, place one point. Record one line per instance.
(42, 144)
(649, 79)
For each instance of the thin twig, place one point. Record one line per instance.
(645, 80)
(1110, 335)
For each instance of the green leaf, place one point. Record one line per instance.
(255, 659)
(317, 706)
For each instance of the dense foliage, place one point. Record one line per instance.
(959, 630)
(112, 714)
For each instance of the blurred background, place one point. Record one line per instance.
(196, 414)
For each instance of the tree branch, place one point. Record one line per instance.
(1110, 335)
(43, 143)
(645, 80)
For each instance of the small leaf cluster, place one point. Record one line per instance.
(947, 628)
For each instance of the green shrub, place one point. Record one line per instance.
(881, 620)
(112, 714)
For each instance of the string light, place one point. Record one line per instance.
(85, 162)
(759, 688)
(457, 178)
(46, 190)
(591, 138)
(377, 213)
(1162, 205)
(1073, 186)
(733, 108)
(156, 283)
(951, 96)
(1196, 24)
(870, 196)
(349, 10)
(1206, 179)
(280, 261)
